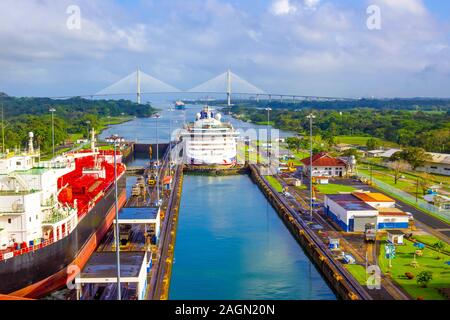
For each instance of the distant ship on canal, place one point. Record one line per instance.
(179, 105)
(53, 215)
(208, 141)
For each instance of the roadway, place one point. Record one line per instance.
(388, 289)
(427, 222)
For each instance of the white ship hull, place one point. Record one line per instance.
(209, 142)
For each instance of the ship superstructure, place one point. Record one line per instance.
(208, 141)
(179, 105)
(51, 213)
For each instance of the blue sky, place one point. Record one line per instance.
(306, 47)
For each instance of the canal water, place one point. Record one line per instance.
(231, 244)
(153, 130)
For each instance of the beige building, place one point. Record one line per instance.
(439, 164)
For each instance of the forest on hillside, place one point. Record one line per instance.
(414, 104)
(71, 116)
(429, 130)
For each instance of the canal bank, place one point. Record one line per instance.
(231, 244)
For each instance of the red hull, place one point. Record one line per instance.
(59, 279)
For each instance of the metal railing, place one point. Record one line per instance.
(408, 198)
(13, 253)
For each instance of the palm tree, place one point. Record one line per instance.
(423, 278)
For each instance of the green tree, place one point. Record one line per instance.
(416, 157)
(372, 144)
(351, 152)
(294, 143)
(423, 278)
(425, 182)
(396, 156)
(439, 245)
(398, 167)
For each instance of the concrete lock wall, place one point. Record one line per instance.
(144, 148)
(333, 276)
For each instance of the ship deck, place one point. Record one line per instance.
(99, 276)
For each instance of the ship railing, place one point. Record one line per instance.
(14, 253)
(54, 165)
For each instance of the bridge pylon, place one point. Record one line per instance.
(229, 87)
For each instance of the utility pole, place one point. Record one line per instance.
(267, 139)
(157, 161)
(3, 132)
(52, 110)
(115, 139)
(229, 87)
(310, 117)
(417, 190)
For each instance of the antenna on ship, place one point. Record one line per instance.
(30, 143)
(93, 139)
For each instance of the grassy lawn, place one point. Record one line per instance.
(430, 240)
(264, 123)
(274, 183)
(106, 147)
(362, 141)
(358, 272)
(383, 175)
(75, 136)
(428, 262)
(298, 156)
(253, 157)
(105, 122)
(48, 156)
(332, 188)
(410, 180)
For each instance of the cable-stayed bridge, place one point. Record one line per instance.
(139, 83)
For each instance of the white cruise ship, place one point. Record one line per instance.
(209, 142)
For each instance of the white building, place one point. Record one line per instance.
(352, 211)
(439, 164)
(325, 166)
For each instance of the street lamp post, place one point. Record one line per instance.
(157, 161)
(115, 140)
(52, 110)
(310, 117)
(267, 139)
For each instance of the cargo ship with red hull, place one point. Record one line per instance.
(53, 215)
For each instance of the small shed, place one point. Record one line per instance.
(395, 236)
(333, 243)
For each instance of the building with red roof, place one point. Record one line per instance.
(324, 165)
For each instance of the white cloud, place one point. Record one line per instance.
(415, 7)
(282, 7)
(311, 4)
(316, 47)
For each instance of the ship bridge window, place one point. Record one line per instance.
(18, 163)
(9, 221)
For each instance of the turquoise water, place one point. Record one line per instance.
(232, 245)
